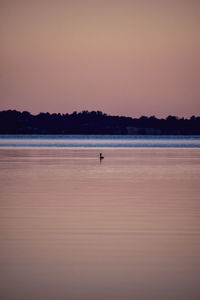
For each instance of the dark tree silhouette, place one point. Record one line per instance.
(94, 122)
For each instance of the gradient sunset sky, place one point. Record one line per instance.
(121, 57)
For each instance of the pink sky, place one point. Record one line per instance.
(121, 57)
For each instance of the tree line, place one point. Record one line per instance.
(94, 122)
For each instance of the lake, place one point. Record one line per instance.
(95, 141)
(74, 227)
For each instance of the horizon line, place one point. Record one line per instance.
(101, 112)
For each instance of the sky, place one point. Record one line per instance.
(122, 57)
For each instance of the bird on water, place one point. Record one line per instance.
(101, 156)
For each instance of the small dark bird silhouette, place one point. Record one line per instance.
(101, 156)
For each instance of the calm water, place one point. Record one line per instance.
(113, 141)
(123, 229)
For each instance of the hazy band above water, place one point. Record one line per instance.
(99, 141)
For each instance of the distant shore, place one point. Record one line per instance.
(94, 123)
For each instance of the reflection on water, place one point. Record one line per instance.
(74, 228)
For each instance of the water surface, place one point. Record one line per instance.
(95, 141)
(74, 228)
